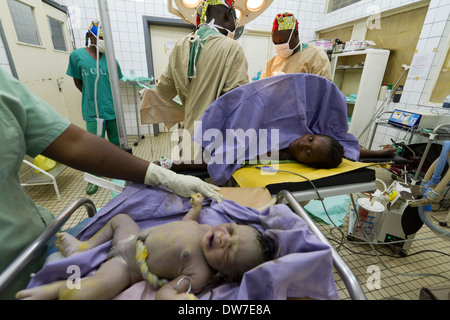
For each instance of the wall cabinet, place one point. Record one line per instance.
(359, 75)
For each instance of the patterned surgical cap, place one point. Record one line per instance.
(94, 28)
(203, 8)
(284, 21)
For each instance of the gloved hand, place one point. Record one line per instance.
(182, 185)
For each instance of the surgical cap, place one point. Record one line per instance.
(284, 21)
(203, 8)
(96, 29)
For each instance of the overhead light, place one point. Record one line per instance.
(191, 3)
(238, 13)
(255, 5)
(246, 10)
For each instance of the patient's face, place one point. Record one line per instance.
(230, 248)
(309, 149)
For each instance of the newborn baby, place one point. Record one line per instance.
(180, 258)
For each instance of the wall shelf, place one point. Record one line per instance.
(360, 72)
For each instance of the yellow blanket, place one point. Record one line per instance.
(248, 176)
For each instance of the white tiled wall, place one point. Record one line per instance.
(307, 13)
(433, 42)
(128, 33)
(127, 25)
(361, 9)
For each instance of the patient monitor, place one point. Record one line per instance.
(418, 119)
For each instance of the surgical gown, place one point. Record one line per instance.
(221, 67)
(83, 66)
(268, 114)
(28, 125)
(312, 59)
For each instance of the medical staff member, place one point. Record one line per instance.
(83, 69)
(293, 56)
(205, 65)
(29, 126)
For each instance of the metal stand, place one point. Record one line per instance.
(351, 281)
(32, 250)
(136, 109)
(113, 73)
(385, 102)
(433, 136)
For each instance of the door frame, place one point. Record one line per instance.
(8, 52)
(149, 21)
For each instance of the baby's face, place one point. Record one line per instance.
(230, 248)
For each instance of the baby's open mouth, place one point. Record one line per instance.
(210, 240)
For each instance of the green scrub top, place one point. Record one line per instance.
(83, 66)
(27, 126)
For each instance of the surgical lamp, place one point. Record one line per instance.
(246, 10)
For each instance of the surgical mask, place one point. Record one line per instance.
(101, 46)
(230, 34)
(283, 50)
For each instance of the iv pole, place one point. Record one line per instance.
(113, 73)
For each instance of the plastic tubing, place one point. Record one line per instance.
(440, 164)
(430, 225)
(433, 175)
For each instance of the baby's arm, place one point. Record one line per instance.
(180, 287)
(176, 289)
(194, 213)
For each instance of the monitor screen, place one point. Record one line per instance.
(402, 118)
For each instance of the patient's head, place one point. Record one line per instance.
(318, 151)
(234, 249)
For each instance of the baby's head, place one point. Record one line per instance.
(318, 151)
(234, 249)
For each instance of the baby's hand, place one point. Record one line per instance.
(194, 212)
(186, 296)
(197, 200)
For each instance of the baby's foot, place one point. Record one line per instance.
(197, 201)
(69, 245)
(45, 292)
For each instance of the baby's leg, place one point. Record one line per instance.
(45, 292)
(69, 245)
(110, 279)
(118, 228)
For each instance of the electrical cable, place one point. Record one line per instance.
(390, 269)
(271, 169)
(386, 254)
(371, 244)
(315, 189)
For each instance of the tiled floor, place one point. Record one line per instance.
(400, 277)
(72, 186)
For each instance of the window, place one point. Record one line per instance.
(57, 33)
(24, 22)
(334, 5)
